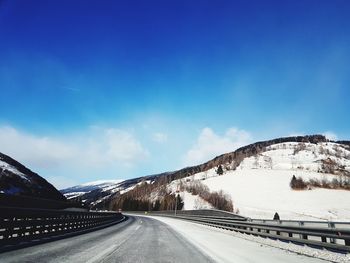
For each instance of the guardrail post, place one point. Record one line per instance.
(347, 242)
(332, 239)
(278, 232)
(302, 236)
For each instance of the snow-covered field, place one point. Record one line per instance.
(260, 186)
(261, 193)
(227, 246)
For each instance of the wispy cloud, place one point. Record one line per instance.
(209, 144)
(70, 88)
(160, 137)
(97, 148)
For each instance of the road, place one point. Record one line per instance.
(146, 239)
(139, 239)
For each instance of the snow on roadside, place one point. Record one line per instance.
(228, 246)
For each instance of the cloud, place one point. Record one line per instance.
(116, 145)
(70, 88)
(160, 137)
(38, 151)
(330, 135)
(209, 144)
(96, 148)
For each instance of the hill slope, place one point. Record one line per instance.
(257, 178)
(17, 180)
(96, 193)
(260, 185)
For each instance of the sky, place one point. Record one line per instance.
(93, 90)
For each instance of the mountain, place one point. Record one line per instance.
(262, 183)
(96, 193)
(92, 191)
(80, 190)
(18, 180)
(300, 177)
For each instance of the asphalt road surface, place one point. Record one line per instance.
(138, 239)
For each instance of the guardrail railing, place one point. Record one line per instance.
(328, 235)
(323, 224)
(204, 212)
(20, 224)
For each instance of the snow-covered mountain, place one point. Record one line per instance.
(80, 190)
(260, 185)
(257, 178)
(97, 192)
(93, 192)
(17, 180)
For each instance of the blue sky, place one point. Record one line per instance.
(117, 89)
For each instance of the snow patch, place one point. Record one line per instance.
(192, 202)
(102, 182)
(12, 169)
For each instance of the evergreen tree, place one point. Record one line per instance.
(179, 203)
(276, 216)
(297, 183)
(220, 171)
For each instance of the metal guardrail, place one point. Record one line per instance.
(35, 202)
(18, 225)
(203, 212)
(324, 224)
(328, 235)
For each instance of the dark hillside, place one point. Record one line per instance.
(18, 180)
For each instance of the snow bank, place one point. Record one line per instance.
(228, 246)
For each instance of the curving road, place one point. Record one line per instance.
(138, 239)
(157, 239)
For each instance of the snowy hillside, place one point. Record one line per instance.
(5, 167)
(256, 177)
(103, 186)
(97, 192)
(17, 180)
(301, 156)
(260, 185)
